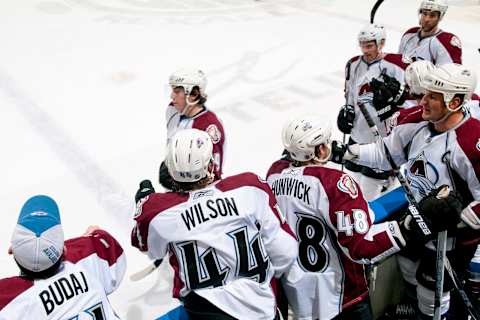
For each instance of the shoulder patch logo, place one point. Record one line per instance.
(478, 145)
(214, 133)
(455, 41)
(347, 184)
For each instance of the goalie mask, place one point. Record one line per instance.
(301, 136)
(189, 156)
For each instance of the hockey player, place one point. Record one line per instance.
(429, 42)
(59, 279)
(226, 238)
(359, 71)
(443, 147)
(333, 224)
(187, 110)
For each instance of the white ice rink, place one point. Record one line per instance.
(83, 92)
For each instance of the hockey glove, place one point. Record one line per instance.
(388, 94)
(165, 179)
(442, 208)
(345, 119)
(144, 190)
(341, 152)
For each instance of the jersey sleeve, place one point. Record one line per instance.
(210, 123)
(278, 238)
(349, 87)
(352, 219)
(144, 237)
(373, 154)
(448, 49)
(101, 253)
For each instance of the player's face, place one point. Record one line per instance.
(429, 20)
(433, 106)
(369, 50)
(178, 98)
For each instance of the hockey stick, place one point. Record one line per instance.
(374, 10)
(412, 203)
(412, 209)
(440, 276)
(146, 271)
(474, 314)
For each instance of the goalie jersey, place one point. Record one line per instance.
(226, 242)
(333, 224)
(93, 268)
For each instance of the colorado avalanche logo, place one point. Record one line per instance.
(214, 133)
(307, 126)
(422, 174)
(199, 143)
(347, 185)
(478, 145)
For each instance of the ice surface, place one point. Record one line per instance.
(83, 91)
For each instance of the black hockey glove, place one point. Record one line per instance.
(442, 207)
(440, 211)
(388, 94)
(165, 179)
(345, 118)
(144, 190)
(342, 152)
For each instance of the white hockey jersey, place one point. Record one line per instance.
(440, 48)
(93, 268)
(425, 153)
(206, 121)
(226, 241)
(333, 224)
(358, 75)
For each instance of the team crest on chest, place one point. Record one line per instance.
(214, 133)
(347, 184)
(478, 145)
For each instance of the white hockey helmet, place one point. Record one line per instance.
(300, 137)
(372, 32)
(189, 155)
(434, 5)
(451, 79)
(415, 73)
(188, 78)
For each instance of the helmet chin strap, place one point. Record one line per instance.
(449, 112)
(188, 105)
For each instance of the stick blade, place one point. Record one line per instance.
(137, 276)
